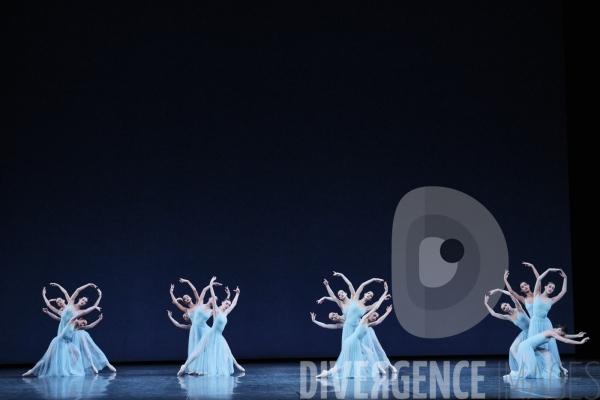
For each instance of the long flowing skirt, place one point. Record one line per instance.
(539, 325)
(90, 352)
(61, 359)
(376, 352)
(214, 356)
(514, 351)
(197, 334)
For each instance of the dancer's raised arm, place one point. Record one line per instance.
(532, 268)
(517, 295)
(182, 308)
(504, 317)
(177, 324)
(350, 287)
(322, 299)
(93, 324)
(384, 316)
(362, 286)
(50, 306)
(563, 291)
(67, 297)
(53, 316)
(517, 303)
(82, 313)
(234, 302)
(77, 291)
(332, 295)
(322, 325)
(538, 283)
(213, 298)
(196, 295)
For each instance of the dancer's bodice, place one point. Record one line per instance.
(529, 308)
(65, 316)
(219, 322)
(540, 309)
(538, 340)
(354, 313)
(201, 316)
(68, 332)
(522, 321)
(361, 331)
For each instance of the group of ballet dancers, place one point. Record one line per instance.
(361, 354)
(72, 352)
(208, 351)
(534, 354)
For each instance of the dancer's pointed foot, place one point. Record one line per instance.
(113, 369)
(239, 367)
(28, 373)
(381, 370)
(394, 370)
(94, 369)
(322, 375)
(181, 370)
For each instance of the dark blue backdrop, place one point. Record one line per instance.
(267, 144)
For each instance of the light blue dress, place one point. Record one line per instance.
(536, 361)
(529, 308)
(353, 314)
(354, 358)
(214, 355)
(523, 323)
(62, 357)
(90, 352)
(199, 328)
(375, 351)
(539, 323)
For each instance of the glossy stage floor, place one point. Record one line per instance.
(284, 380)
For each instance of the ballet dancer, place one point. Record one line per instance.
(370, 340)
(527, 299)
(353, 307)
(354, 352)
(93, 358)
(535, 360)
(541, 306)
(212, 355)
(198, 313)
(515, 315)
(63, 358)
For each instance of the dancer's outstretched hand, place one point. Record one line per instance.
(486, 298)
(385, 286)
(237, 290)
(100, 317)
(45, 310)
(581, 334)
(527, 264)
(170, 313)
(172, 287)
(321, 300)
(554, 269)
(562, 273)
(99, 308)
(214, 278)
(505, 274)
(313, 315)
(387, 297)
(494, 291)
(183, 280)
(336, 274)
(325, 282)
(378, 280)
(389, 308)
(585, 340)
(227, 291)
(217, 284)
(54, 284)
(44, 291)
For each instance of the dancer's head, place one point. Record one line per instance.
(506, 308)
(373, 317)
(82, 301)
(549, 288)
(525, 287)
(225, 304)
(561, 329)
(80, 323)
(210, 300)
(342, 295)
(60, 302)
(368, 296)
(335, 317)
(186, 299)
(186, 317)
